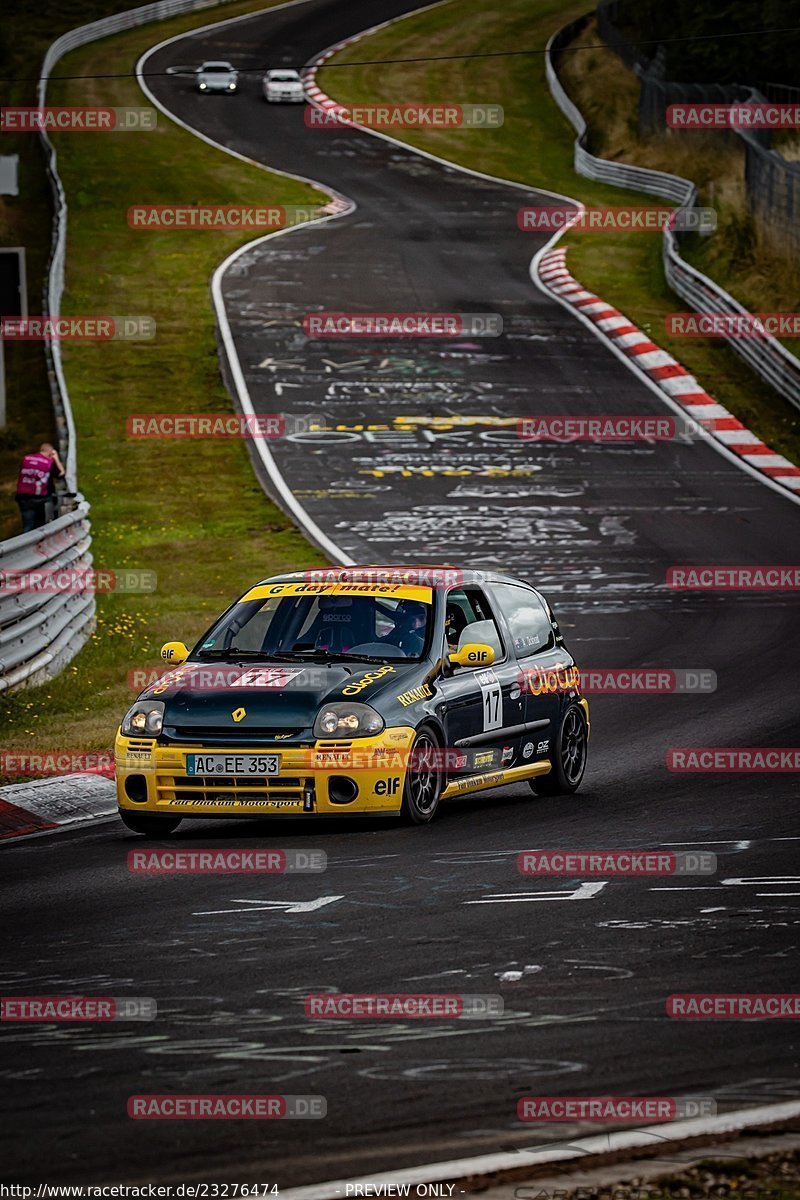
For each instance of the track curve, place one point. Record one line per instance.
(584, 982)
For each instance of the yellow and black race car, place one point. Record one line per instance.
(378, 690)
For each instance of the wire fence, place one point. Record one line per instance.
(772, 183)
(767, 356)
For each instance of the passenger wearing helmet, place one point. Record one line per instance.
(410, 619)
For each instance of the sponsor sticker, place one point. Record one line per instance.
(423, 692)
(269, 677)
(392, 591)
(352, 689)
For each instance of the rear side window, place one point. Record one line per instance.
(531, 630)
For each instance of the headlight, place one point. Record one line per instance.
(202, 87)
(144, 719)
(232, 86)
(347, 720)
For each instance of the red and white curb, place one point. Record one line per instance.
(47, 805)
(315, 94)
(633, 344)
(665, 371)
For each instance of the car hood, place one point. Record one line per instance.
(274, 695)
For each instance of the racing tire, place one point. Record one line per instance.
(423, 788)
(569, 756)
(153, 827)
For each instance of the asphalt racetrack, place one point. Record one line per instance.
(584, 975)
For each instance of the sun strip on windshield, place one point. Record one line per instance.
(394, 591)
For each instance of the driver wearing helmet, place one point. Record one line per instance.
(410, 618)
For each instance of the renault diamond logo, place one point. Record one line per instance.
(239, 714)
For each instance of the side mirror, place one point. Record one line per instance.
(174, 653)
(473, 654)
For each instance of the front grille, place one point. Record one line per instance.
(214, 736)
(251, 789)
(145, 744)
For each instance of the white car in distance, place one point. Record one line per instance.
(216, 77)
(283, 86)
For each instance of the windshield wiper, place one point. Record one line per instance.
(331, 656)
(234, 655)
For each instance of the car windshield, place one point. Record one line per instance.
(217, 69)
(331, 626)
(283, 77)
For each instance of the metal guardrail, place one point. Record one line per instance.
(40, 632)
(770, 360)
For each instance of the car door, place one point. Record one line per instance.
(482, 704)
(544, 665)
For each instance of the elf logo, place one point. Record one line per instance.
(387, 787)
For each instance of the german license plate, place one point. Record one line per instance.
(233, 764)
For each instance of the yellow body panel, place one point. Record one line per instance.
(377, 764)
(493, 779)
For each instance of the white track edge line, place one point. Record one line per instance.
(300, 515)
(580, 1148)
(317, 63)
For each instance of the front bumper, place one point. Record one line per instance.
(151, 778)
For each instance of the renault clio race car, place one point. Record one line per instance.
(351, 696)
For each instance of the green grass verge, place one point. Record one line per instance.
(535, 146)
(25, 33)
(190, 510)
